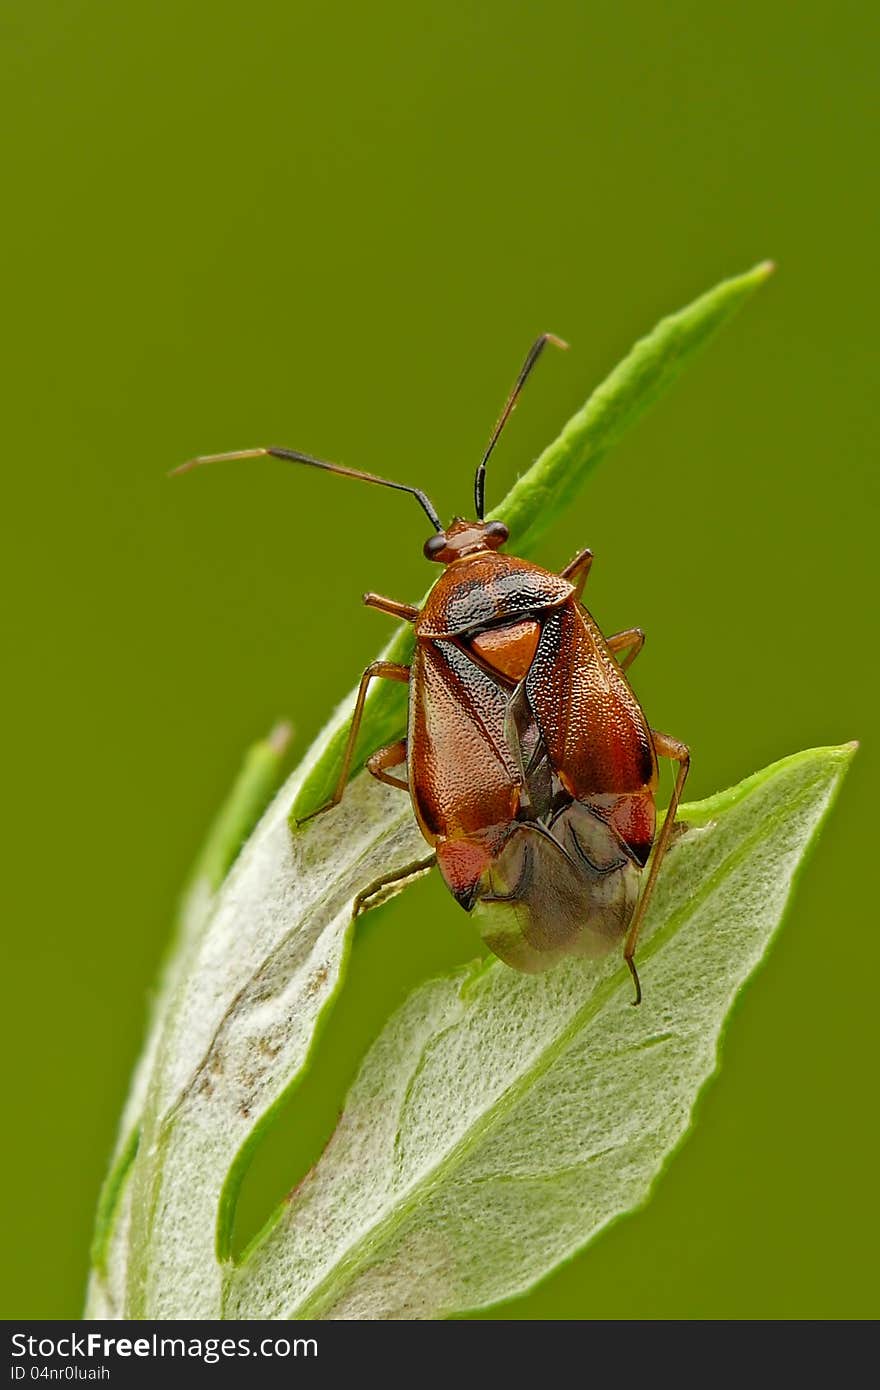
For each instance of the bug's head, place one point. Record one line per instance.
(463, 538)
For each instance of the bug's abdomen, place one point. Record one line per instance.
(536, 905)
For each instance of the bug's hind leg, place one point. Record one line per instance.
(665, 747)
(631, 641)
(385, 887)
(392, 755)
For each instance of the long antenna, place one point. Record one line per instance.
(292, 456)
(533, 354)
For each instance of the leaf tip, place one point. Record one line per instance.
(843, 752)
(279, 738)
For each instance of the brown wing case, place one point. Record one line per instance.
(592, 725)
(465, 776)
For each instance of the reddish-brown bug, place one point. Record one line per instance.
(531, 767)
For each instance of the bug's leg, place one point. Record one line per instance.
(665, 747)
(406, 611)
(383, 670)
(578, 569)
(631, 641)
(382, 889)
(392, 755)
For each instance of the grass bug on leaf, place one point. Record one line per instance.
(531, 767)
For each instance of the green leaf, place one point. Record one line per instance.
(544, 492)
(247, 799)
(237, 1026)
(256, 966)
(502, 1120)
(497, 1123)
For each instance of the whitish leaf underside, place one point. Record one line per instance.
(498, 1122)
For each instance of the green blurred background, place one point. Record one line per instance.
(338, 227)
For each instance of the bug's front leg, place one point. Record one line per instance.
(665, 747)
(631, 641)
(577, 570)
(377, 670)
(407, 611)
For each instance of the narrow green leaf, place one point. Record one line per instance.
(247, 799)
(108, 1202)
(649, 369)
(545, 491)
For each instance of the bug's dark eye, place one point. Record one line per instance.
(433, 546)
(497, 531)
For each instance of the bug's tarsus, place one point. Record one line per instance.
(532, 356)
(294, 456)
(636, 981)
